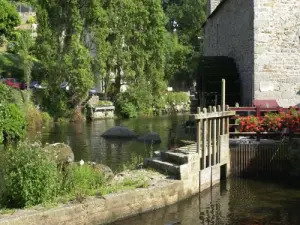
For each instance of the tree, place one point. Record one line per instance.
(185, 20)
(63, 50)
(24, 45)
(9, 18)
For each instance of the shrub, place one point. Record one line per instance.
(176, 98)
(5, 93)
(77, 115)
(12, 122)
(81, 180)
(31, 20)
(30, 176)
(136, 100)
(46, 118)
(34, 118)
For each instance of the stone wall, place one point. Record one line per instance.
(229, 32)
(277, 51)
(211, 6)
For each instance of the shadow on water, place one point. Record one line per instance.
(233, 201)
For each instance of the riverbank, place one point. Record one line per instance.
(162, 191)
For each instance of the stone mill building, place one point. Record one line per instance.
(257, 44)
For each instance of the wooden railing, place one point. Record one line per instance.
(211, 123)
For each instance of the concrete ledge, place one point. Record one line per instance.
(111, 208)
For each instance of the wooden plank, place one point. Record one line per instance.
(212, 115)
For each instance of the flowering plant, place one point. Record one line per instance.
(271, 122)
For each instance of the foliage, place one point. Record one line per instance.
(5, 93)
(185, 20)
(24, 43)
(10, 65)
(104, 103)
(271, 122)
(136, 100)
(46, 118)
(248, 124)
(9, 18)
(31, 20)
(30, 176)
(33, 117)
(176, 98)
(12, 121)
(61, 48)
(83, 180)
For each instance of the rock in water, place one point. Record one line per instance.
(119, 132)
(62, 153)
(152, 138)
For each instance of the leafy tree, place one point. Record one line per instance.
(24, 45)
(62, 49)
(137, 43)
(9, 18)
(185, 20)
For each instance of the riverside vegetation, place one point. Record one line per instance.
(146, 45)
(30, 176)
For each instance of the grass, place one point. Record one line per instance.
(7, 211)
(104, 103)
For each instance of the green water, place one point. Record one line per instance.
(87, 143)
(233, 202)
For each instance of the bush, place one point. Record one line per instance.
(30, 176)
(176, 98)
(81, 180)
(12, 121)
(34, 118)
(31, 20)
(136, 100)
(46, 118)
(5, 93)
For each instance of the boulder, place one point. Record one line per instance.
(108, 173)
(119, 132)
(62, 153)
(152, 138)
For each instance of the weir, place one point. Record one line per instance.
(203, 164)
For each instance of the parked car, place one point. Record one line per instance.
(36, 84)
(65, 85)
(14, 83)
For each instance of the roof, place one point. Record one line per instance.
(217, 9)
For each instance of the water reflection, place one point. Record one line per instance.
(235, 201)
(87, 143)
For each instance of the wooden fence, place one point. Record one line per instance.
(211, 123)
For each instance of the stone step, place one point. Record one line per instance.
(165, 167)
(173, 157)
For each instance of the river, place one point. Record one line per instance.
(234, 201)
(87, 144)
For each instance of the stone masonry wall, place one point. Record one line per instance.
(229, 32)
(277, 51)
(211, 6)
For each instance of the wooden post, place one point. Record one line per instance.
(214, 150)
(209, 138)
(204, 137)
(227, 120)
(198, 122)
(223, 95)
(219, 126)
